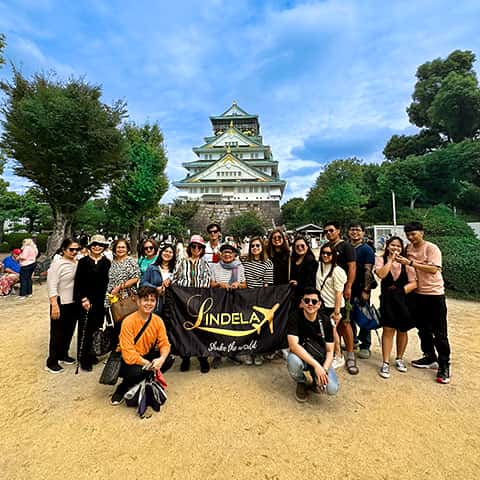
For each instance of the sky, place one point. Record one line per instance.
(329, 79)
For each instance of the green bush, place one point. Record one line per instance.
(4, 247)
(14, 240)
(440, 221)
(461, 264)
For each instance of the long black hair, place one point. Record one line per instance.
(171, 263)
(387, 243)
(333, 263)
(308, 254)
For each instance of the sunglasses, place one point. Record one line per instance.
(301, 246)
(195, 246)
(330, 230)
(98, 245)
(256, 245)
(308, 301)
(149, 248)
(277, 237)
(73, 249)
(327, 254)
(213, 231)
(228, 251)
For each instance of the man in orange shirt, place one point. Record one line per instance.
(142, 352)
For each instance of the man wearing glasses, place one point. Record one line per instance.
(310, 340)
(212, 249)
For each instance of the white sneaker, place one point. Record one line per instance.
(338, 362)
(248, 360)
(285, 352)
(400, 365)
(384, 371)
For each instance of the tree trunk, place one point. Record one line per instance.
(412, 203)
(134, 240)
(62, 227)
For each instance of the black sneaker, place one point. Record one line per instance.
(67, 360)
(117, 399)
(425, 362)
(443, 374)
(216, 362)
(204, 365)
(301, 392)
(185, 365)
(54, 368)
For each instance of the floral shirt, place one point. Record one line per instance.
(121, 272)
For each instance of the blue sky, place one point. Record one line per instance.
(329, 79)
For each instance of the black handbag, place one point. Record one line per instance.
(103, 338)
(314, 347)
(111, 371)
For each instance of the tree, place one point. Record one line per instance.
(401, 146)
(184, 210)
(456, 107)
(293, 212)
(34, 208)
(143, 182)
(9, 203)
(92, 217)
(246, 224)
(168, 225)
(63, 139)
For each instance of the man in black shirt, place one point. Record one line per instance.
(310, 339)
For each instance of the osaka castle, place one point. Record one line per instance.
(234, 171)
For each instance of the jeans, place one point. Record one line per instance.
(26, 279)
(296, 366)
(431, 321)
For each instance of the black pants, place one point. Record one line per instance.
(86, 326)
(26, 279)
(431, 321)
(61, 333)
(133, 374)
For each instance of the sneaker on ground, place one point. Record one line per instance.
(258, 360)
(248, 360)
(54, 368)
(443, 374)
(400, 365)
(425, 362)
(269, 356)
(338, 362)
(67, 360)
(117, 399)
(216, 362)
(285, 352)
(384, 371)
(363, 353)
(301, 392)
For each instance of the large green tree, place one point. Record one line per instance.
(293, 212)
(37, 212)
(63, 139)
(141, 186)
(245, 224)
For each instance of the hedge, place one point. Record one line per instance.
(14, 240)
(461, 264)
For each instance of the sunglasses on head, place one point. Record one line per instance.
(73, 249)
(308, 301)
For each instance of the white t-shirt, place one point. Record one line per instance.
(329, 286)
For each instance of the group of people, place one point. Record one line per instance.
(18, 268)
(321, 315)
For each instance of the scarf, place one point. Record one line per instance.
(233, 266)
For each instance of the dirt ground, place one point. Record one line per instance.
(237, 422)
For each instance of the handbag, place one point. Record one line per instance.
(104, 337)
(314, 347)
(123, 307)
(111, 371)
(366, 315)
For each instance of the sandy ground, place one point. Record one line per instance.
(237, 422)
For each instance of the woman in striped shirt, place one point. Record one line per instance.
(258, 273)
(193, 271)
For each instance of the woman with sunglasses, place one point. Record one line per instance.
(397, 282)
(279, 253)
(90, 287)
(303, 268)
(159, 275)
(331, 281)
(148, 256)
(193, 271)
(258, 273)
(64, 311)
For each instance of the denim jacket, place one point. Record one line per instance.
(153, 278)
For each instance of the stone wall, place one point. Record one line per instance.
(220, 212)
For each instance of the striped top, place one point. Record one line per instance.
(258, 273)
(192, 274)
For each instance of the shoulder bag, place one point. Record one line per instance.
(111, 371)
(104, 337)
(314, 347)
(123, 307)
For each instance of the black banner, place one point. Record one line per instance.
(207, 321)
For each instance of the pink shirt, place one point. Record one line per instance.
(428, 254)
(28, 255)
(396, 269)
